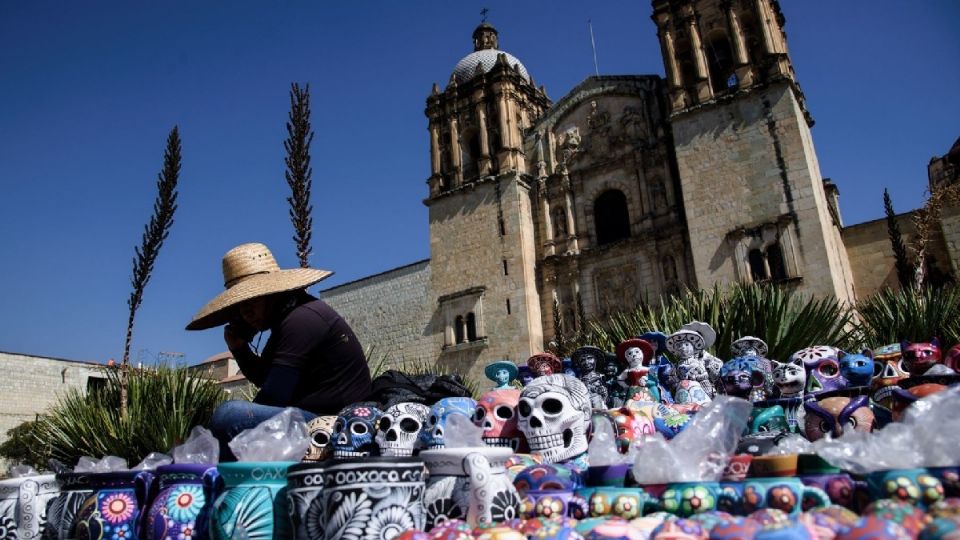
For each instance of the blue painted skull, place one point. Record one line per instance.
(432, 434)
(354, 432)
(747, 377)
(823, 375)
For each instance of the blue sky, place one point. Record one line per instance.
(90, 90)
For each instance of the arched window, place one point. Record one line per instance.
(719, 61)
(471, 327)
(778, 269)
(611, 217)
(758, 266)
(559, 217)
(458, 329)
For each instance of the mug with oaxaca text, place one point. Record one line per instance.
(252, 501)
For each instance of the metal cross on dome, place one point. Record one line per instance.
(483, 14)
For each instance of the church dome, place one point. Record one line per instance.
(466, 67)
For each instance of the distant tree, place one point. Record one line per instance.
(299, 172)
(904, 271)
(927, 221)
(154, 234)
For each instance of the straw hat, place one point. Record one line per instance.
(250, 271)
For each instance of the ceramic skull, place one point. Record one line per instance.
(746, 377)
(921, 357)
(432, 433)
(354, 432)
(399, 429)
(889, 370)
(833, 415)
(790, 378)
(496, 413)
(320, 429)
(823, 375)
(554, 414)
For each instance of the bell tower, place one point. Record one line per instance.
(757, 207)
(481, 223)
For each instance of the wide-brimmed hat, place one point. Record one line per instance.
(491, 370)
(682, 336)
(250, 271)
(645, 347)
(545, 358)
(747, 342)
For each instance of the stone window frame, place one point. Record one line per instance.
(753, 246)
(462, 313)
(634, 209)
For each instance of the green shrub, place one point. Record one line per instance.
(890, 316)
(23, 446)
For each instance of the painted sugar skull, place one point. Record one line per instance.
(790, 378)
(685, 344)
(889, 370)
(554, 414)
(320, 430)
(857, 369)
(831, 416)
(749, 346)
(544, 364)
(354, 432)
(399, 429)
(496, 413)
(691, 393)
(432, 433)
(823, 375)
(632, 425)
(920, 357)
(811, 355)
(746, 377)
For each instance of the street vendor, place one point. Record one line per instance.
(312, 359)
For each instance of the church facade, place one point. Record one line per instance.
(625, 189)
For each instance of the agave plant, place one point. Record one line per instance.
(786, 320)
(912, 314)
(163, 405)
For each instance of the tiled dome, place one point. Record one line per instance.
(466, 68)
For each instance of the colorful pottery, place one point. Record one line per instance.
(182, 506)
(905, 514)
(838, 486)
(113, 509)
(552, 504)
(687, 498)
(737, 529)
(874, 528)
(784, 494)
(915, 486)
(627, 503)
(62, 512)
(253, 502)
(547, 477)
(942, 529)
(680, 529)
(23, 505)
(470, 483)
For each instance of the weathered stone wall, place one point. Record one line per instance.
(747, 165)
(32, 384)
(950, 227)
(389, 312)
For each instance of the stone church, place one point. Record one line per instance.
(625, 189)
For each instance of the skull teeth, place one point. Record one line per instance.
(500, 442)
(397, 452)
(545, 441)
(347, 453)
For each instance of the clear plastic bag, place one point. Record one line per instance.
(462, 433)
(152, 461)
(19, 471)
(283, 437)
(698, 453)
(88, 464)
(200, 447)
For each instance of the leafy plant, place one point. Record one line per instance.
(23, 446)
(299, 172)
(913, 314)
(902, 263)
(163, 404)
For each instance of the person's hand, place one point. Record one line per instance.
(237, 335)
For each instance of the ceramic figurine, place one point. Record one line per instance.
(398, 432)
(554, 414)
(690, 392)
(687, 345)
(712, 363)
(636, 356)
(952, 360)
(585, 361)
(749, 346)
(823, 375)
(913, 388)
(768, 419)
(693, 369)
(544, 364)
(890, 370)
(830, 416)
(354, 432)
(632, 425)
(668, 377)
(320, 430)
(746, 377)
(440, 412)
(501, 373)
(470, 484)
(524, 374)
(857, 369)
(924, 358)
(792, 407)
(496, 413)
(790, 378)
(616, 389)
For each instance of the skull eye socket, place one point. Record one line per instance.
(479, 414)
(358, 428)
(552, 406)
(901, 366)
(524, 408)
(828, 369)
(338, 427)
(504, 413)
(384, 423)
(321, 439)
(432, 421)
(409, 425)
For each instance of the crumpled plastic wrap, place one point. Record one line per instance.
(152, 461)
(88, 464)
(283, 437)
(925, 438)
(462, 433)
(19, 471)
(200, 447)
(602, 450)
(699, 452)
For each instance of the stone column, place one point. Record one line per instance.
(678, 96)
(434, 149)
(547, 218)
(743, 70)
(484, 160)
(455, 157)
(704, 91)
(764, 23)
(572, 244)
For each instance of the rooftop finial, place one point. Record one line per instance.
(485, 36)
(483, 15)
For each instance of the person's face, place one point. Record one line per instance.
(255, 312)
(502, 376)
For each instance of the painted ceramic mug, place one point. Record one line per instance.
(181, 508)
(915, 486)
(840, 487)
(552, 504)
(23, 505)
(627, 503)
(113, 509)
(685, 499)
(252, 501)
(781, 493)
(62, 512)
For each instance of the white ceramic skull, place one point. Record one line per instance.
(398, 433)
(320, 429)
(496, 413)
(554, 415)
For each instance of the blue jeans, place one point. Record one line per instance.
(232, 417)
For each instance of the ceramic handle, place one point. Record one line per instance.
(481, 492)
(816, 494)
(145, 489)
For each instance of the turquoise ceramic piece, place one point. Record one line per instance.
(253, 503)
